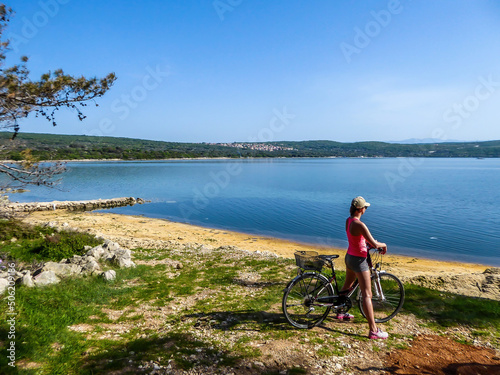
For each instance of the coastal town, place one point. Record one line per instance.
(255, 146)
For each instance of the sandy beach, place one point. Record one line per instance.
(139, 231)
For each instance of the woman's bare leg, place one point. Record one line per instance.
(366, 291)
(350, 277)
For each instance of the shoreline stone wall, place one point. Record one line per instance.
(85, 205)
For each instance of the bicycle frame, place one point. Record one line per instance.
(339, 296)
(349, 292)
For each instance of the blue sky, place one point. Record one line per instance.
(255, 70)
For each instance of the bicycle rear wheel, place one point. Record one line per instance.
(299, 300)
(387, 299)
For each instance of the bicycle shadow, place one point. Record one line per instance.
(241, 320)
(246, 320)
(258, 320)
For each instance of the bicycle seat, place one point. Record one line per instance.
(328, 257)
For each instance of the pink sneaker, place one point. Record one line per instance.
(378, 335)
(344, 316)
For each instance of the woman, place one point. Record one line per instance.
(357, 265)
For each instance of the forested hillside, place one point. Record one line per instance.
(73, 147)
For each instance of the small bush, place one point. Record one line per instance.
(36, 243)
(15, 229)
(64, 245)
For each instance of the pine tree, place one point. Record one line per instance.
(20, 96)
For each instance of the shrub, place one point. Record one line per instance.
(65, 244)
(15, 229)
(41, 243)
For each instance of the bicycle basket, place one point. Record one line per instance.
(309, 260)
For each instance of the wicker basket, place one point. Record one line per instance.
(309, 260)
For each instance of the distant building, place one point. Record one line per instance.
(255, 146)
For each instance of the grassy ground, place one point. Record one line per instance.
(193, 308)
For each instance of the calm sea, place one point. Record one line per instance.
(433, 208)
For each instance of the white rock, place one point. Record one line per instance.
(109, 275)
(75, 259)
(96, 252)
(110, 246)
(123, 253)
(4, 283)
(46, 278)
(62, 269)
(27, 280)
(124, 263)
(123, 258)
(107, 256)
(90, 266)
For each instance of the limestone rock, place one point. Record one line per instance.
(491, 284)
(96, 252)
(4, 283)
(123, 258)
(75, 259)
(63, 269)
(77, 265)
(492, 271)
(27, 280)
(107, 256)
(123, 253)
(46, 278)
(109, 275)
(91, 266)
(110, 246)
(124, 263)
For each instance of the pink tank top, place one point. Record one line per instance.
(357, 244)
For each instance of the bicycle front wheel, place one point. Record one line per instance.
(300, 300)
(388, 297)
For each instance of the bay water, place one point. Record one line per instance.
(434, 208)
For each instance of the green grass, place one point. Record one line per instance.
(208, 293)
(10, 229)
(44, 315)
(447, 309)
(35, 243)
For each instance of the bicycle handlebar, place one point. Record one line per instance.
(370, 247)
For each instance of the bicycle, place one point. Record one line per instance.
(309, 297)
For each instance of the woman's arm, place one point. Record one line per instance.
(368, 236)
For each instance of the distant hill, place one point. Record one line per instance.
(425, 140)
(73, 147)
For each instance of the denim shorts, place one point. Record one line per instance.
(356, 264)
